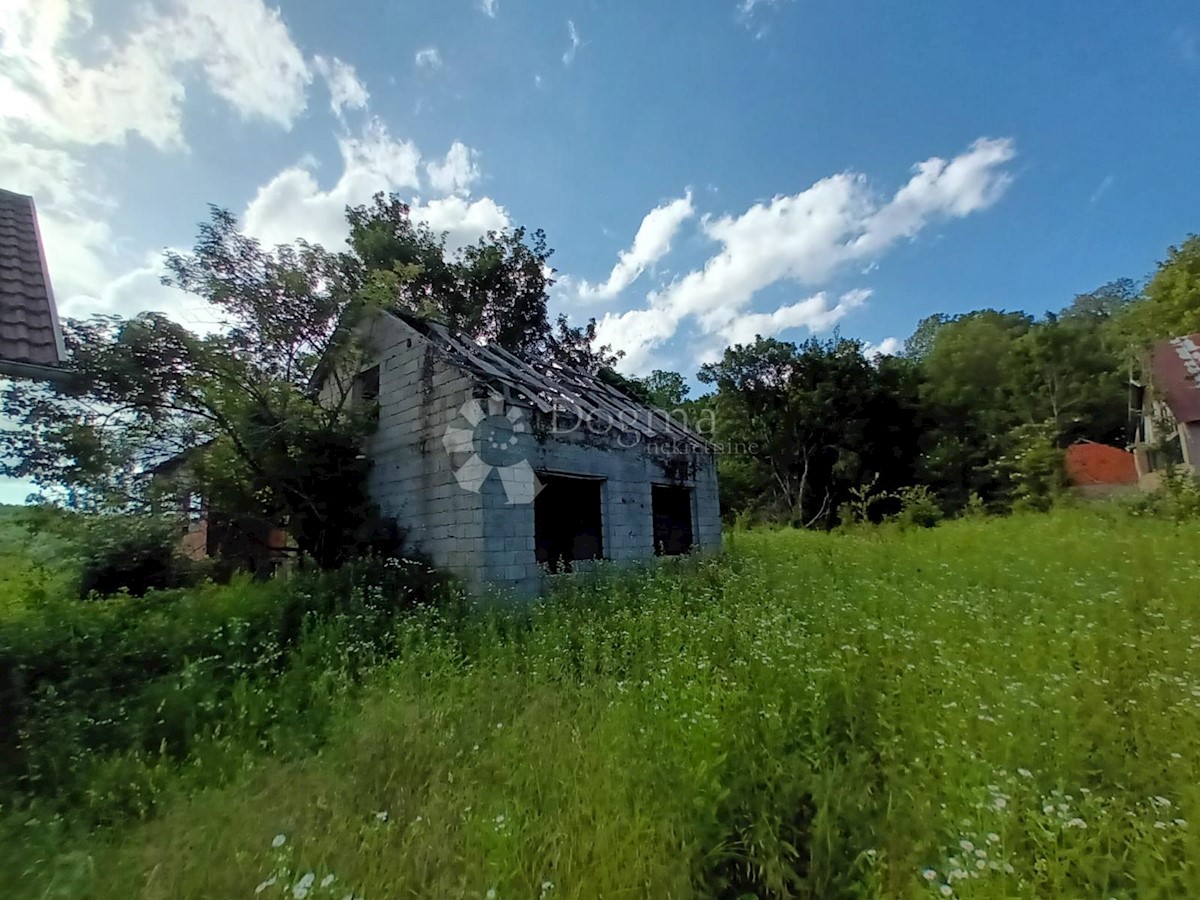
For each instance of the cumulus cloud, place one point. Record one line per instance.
(889, 346)
(807, 238)
(55, 102)
(345, 90)
(816, 313)
(293, 204)
(462, 221)
(651, 243)
(457, 172)
(241, 48)
(141, 290)
(576, 43)
(489, 7)
(429, 58)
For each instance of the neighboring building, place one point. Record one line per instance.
(502, 471)
(31, 343)
(1168, 407)
(1098, 470)
(247, 545)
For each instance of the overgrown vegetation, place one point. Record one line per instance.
(990, 708)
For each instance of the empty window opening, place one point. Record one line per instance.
(672, 510)
(366, 385)
(567, 521)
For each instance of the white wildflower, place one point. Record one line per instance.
(993, 838)
(929, 874)
(946, 891)
(279, 841)
(491, 894)
(301, 888)
(967, 845)
(381, 816)
(270, 882)
(1076, 823)
(327, 880)
(1024, 773)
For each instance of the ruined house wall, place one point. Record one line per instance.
(477, 533)
(412, 477)
(625, 495)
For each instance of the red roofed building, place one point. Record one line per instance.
(1169, 427)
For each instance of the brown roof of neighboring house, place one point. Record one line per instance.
(1175, 365)
(29, 329)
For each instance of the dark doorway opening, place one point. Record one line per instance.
(567, 521)
(672, 509)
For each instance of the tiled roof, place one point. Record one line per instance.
(29, 329)
(1176, 369)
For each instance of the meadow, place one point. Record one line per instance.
(991, 708)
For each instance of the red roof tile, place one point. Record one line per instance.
(1175, 366)
(29, 329)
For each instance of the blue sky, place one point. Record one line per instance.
(705, 169)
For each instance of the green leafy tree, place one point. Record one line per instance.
(822, 419)
(1171, 300)
(968, 398)
(493, 290)
(146, 389)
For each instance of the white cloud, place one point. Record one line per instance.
(652, 243)
(345, 90)
(141, 290)
(889, 346)
(242, 49)
(429, 58)
(576, 43)
(815, 313)
(294, 205)
(462, 221)
(1102, 188)
(808, 238)
(457, 172)
(489, 7)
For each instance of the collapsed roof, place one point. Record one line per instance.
(556, 389)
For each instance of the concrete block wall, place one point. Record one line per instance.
(412, 476)
(481, 536)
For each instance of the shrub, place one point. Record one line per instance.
(132, 553)
(89, 688)
(1177, 498)
(919, 508)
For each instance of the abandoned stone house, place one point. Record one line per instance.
(503, 471)
(1167, 404)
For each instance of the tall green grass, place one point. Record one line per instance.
(1000, 708)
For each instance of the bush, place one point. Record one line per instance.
(133, 553)
(1177, 498)
(120, 686)
(919, 508)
